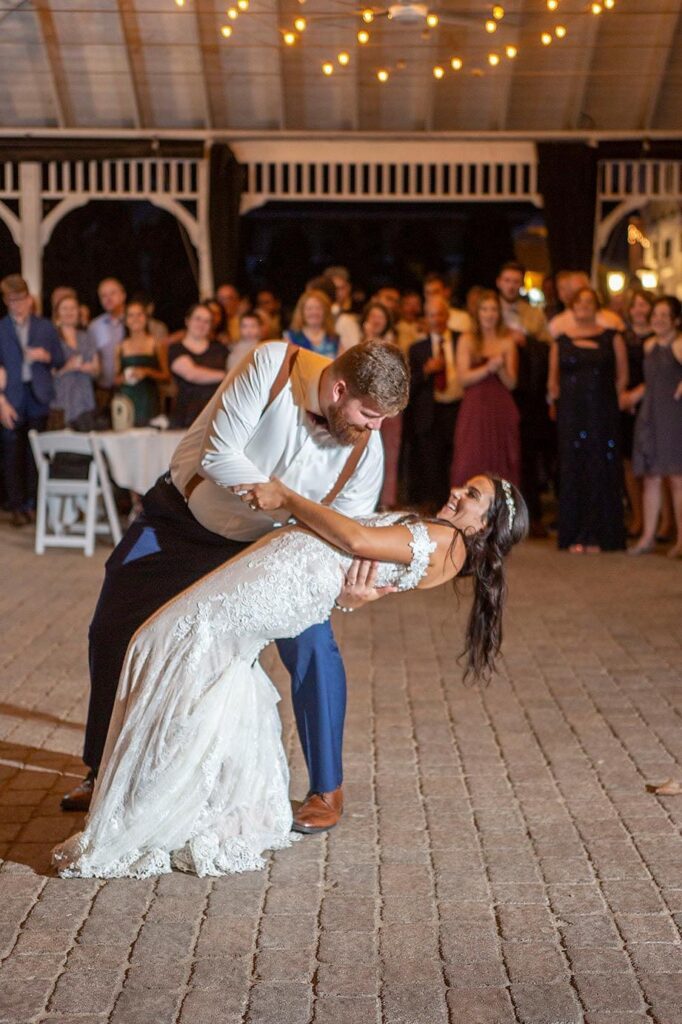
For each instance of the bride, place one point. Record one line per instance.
(194, 775)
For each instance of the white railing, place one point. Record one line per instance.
(652, 179)
(9, 180)
(389, 181)
(121, 179)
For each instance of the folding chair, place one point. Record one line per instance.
(59, 499)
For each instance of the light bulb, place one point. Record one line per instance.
(327, 68)
(232, 13)
(498, 12)
(511, 52)
(363, 37)
(546, 38)
(456, 63)
(243, 5)
(609, 4)
(368, 16)
(490, 25)
(560, 31)
(226, 31)
(382, 75)
(438, 71)
(300, 24)
(343, 58)
(432, 20)
(493, 59)
(596, 8)
(180, 3)
(289, 38)
(552, 5)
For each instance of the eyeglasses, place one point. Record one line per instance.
(13, 299)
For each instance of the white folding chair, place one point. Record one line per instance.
(57, 523)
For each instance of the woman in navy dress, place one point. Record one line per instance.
(312, 325)
(587, 373)
(637, 332)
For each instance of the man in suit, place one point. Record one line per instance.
(435, 395)
(29, 350)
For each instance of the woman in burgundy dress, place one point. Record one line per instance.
(487, 431)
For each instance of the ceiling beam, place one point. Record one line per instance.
(585, 55)
(663, 38)
(132, 37)
(212, 74)
(60, 89)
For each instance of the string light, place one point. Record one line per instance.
(180, 3)
(511, 51)
(438, 72)
(493, 59)
(363, 37)
(382, 75)
(456, 63)
(490, 25)
(498, 12)
(243, 5)
(368, 16)
(546, 38)
(226, 31)
(232, 13)
(289, 38)
(300, 24)
(432, 20)
(596, 8)
(343, 58)
(327, 68)
(552, 5)
(609, 4)
(560, 31)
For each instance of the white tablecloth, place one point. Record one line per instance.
(138, 457)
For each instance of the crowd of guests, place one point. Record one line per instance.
(573, 400)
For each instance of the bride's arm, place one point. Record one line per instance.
(383, 544)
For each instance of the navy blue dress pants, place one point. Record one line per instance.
(163, 552)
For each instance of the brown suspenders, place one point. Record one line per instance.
(351, 464)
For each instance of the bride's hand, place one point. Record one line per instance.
(359, 586)
(265, 497)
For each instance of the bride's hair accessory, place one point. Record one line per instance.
(509, 500)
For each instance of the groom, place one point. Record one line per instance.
(285, 412)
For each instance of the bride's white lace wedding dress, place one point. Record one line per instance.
(194, 775)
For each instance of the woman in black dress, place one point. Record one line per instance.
(198, 365)
(587, 373)
(637, 331)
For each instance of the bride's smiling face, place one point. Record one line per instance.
(467, 507)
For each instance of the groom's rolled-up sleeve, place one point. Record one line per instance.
(242, 403)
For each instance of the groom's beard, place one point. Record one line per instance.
(341, 430)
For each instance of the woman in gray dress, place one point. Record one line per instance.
(658, 432)
(74, 383)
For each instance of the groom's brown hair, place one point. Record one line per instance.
(376, 370)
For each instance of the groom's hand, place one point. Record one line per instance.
(360, 585)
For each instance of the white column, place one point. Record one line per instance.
(206, 283)
(30, 214)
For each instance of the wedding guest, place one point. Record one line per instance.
(29, 351)
(487, 431)
(219, 330)
(156, 328)
(538, 439)
(312, 325)
(141, 363)
(437, 286)
(253, 328)
(230, 299)
(410, 324)
(638, 330)
(376, 322)
(336, 283)
(108, 331)
(657, 451)
(587, 373)
(471, 301)
(74, 392)
(61, 291)
(431, 414)
(197, 363)
(569, 283)
(389, 296)
(269, 305)
(377, 325)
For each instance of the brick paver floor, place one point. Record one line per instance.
(500, 859)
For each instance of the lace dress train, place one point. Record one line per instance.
(194, 775)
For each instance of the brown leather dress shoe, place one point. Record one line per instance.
(78, 799)
(319, 812)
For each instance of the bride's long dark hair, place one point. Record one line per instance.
(486, 550)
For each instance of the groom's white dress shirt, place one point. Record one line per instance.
(234, 441)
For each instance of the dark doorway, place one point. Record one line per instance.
(145, 247)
